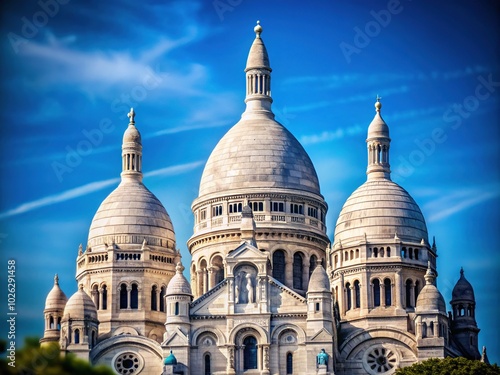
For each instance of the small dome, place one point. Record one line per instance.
(132, 135)
(178, 284)
(170, 360)
(463, 290)
(56, 299)
(319, 280)
(380, 209)
(258, 153)
(130, 214)
(80, 306)
(429, 298)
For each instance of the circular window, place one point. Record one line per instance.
(380, 360)
(128, 364)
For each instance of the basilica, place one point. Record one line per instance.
(269, 292)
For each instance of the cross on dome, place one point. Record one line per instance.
(378, 104)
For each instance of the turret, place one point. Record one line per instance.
(53, 313)
(464, 326)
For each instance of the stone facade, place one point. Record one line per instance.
(268, 293)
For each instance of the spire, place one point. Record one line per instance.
(484, 356)
(430, 275)
(132, 151)
(258, 76)
(378, 143)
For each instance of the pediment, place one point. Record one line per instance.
(246, 251)
(214, 302)
(322, 335)
(176, 338)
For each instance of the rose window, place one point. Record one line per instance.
(128, 364)
(380, 360)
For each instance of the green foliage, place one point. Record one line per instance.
(34, 360)
(450, 366)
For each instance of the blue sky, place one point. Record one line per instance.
(71, 71)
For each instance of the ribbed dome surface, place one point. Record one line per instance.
(80, 306)
(430, 298)
(56, 299)
(381, 209)
(132, 135)
(463, 290)
(258, 57)
(319, 280)
(258, 153)
(178, 284)
(130, 214)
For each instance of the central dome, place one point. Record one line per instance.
(258, 153)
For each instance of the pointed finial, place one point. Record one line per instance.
(378, 104)
(434, 247)
(131, 116)
(80, 249)
(56, 279)
(422, 242)
(430, 275)
(396, 237)
(258, 30)
(461, 272)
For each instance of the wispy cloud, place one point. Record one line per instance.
(328, 136)
(91, 188)
(459, 200)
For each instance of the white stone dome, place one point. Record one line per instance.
(130, 214)
(380, 209)
(319, 281)
(430, 299)
(80, 307)
(56, 299)
(258, 153)
(178, 284)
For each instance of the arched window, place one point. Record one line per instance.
(51, 322)
(297, 271)
(376, 292)
(336, 260)
(357, 295)
(250, 353)
(94, 341)
(289, 363)
(123, 296)
(403, 252)
(375, 252)
(410, 252)
(104, 292)
(154, 298)
(176, 308)
(388, 252)
(431, 329)
(134, 297)
(424, 329)
(77, 336)
(357, 253)
(416, 254)
(351, 255)
(279, 265)
(312, 264)
(348, 296)
(387, 289)
(408, 293)
(59, 323)
(208, 371)
(162, 298)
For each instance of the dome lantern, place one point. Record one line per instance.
(132, 151)
(378, 143)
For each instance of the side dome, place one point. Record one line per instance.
(430, 298)
(463, 290)
(380, 209)
(80, 306)
(258, 153)
(170, 360)
(178, 284)
(130, 214)
(56, 299)
(319, 281)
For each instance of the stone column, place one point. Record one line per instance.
(129, 296)
(230, 365)
(398, 293)
(382, 294)
(211, 278)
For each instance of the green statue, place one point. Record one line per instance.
(322, 358)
